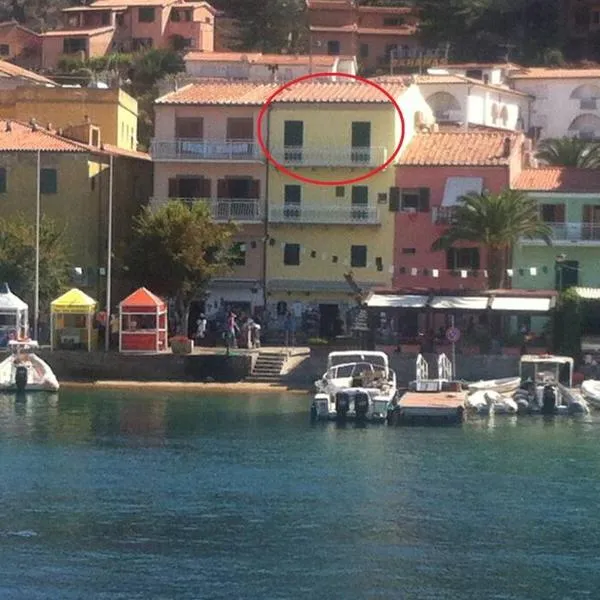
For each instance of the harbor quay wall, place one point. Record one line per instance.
(112, 366)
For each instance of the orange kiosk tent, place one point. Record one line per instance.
(142, 323)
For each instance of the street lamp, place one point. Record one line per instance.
(559, 264)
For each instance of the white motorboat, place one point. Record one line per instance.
(357, 385)
(590, 388)
(506, 386)
(547, 386)
(499, 404)
(24, 371)
(477, 402)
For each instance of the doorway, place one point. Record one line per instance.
(329, 316)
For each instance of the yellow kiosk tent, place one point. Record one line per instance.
(72, 321)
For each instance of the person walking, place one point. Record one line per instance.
(289, 330)
(232, 329)
(200, 328)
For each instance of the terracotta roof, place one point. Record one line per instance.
(78, 32)
(115, 150)
(9, 70)
(259, 58)
(92, 8)
(345, 5)
(128, 3)
(142, 298)
(22, 138)
(545, 73)
(399, 30)
(18, 25)
(482, 149)
(558, 179)
(255, 94)
(475, 65)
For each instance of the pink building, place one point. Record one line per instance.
(434, 171)
(106, 26)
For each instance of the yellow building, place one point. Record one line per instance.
(112, 110)
(74, 190)
(317, 233)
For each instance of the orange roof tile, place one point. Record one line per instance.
(476, 65)
(255, 94)
(142, 298)
(22, 138)
(547, 73)
(78, 32)
(482, 149)
(11, 70)
(399, 30)
(18, 25)
(558, 179)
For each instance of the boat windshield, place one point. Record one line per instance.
(546, 372)
(376, 360)
(22, 347)
(359, 369)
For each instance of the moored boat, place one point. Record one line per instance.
(590, 388)
(358, 385)
(24, 371)
(506, 385)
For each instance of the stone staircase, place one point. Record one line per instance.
(268, 367)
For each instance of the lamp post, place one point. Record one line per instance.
(560, 259)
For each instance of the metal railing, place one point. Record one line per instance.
(223, 209)
(573, 232)
(199, 149)
(303, 156)
(443, 215)
(342, 215)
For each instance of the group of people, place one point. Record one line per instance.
(250, 329)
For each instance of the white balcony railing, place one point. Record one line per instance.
(302, 156)
(224, 209)
(572, 232)
(443, 215)
(190, 149)
(341, 215)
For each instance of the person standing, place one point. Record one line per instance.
(289, 330)
(200, 328)
(114, 331)
(232, 329)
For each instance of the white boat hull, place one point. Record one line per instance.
(507, 386)
(40, 377)
(591, 392)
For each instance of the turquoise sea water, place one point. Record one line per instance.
(161, 496)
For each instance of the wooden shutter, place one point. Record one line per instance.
(423, 199)
(173, 188)
(394, 196)
(206, 187)
(360, 194)
(222, 188)
(254, 191)
(559, 213)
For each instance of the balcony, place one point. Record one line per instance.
(570, 233)
(332, 215)
(189, 149)
(443, 215)
(246, 210)
(299, 156)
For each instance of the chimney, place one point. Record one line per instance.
(8, 126)
(507, 147)
(49, 126)
(33, 124)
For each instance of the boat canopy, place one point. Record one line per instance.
(353, 356)
(546, 368)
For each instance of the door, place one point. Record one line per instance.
(361, 142)
(293, 140)
(329, 321)
(241, 190)
(360, 202)
(567, 274)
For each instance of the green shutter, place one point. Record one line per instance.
(48, 181)
(394, 199)
(423, 199)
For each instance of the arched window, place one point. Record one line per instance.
(586, 127)
(445, 107)
(588, 95)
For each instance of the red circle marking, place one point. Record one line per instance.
(287, 171)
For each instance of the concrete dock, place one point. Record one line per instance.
(431, 406)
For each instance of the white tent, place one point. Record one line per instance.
(13, 316)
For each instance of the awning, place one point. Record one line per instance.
(459, 302)
(508, 303)
(73, 301)
(588, 293)
(397, 301)
(460, 186)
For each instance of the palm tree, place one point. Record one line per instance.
(496, 222)
(569, 152)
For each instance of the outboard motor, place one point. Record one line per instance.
(361, 405)
(21, 376)
(342, 404)
(549, 400)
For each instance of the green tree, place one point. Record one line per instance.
(176, 250)
(567, 324)
(17, 258)
(495, 222)
(569, 152)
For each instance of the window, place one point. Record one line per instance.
(120, 19)
(73, 45)
(360, 202)
(462, 258)
(175, 16)
(292, 198)
(340, 191)
(105, 18)
(409, 250)
(238, 253)
(141, 44)
(552, 213)
(415, 200)
(474, 73)
(146, 14)
(393, 21)
(293, 139)
(358, 256)
(333, 47)
(588, 104)
(2, 180)
(4, 49)
(189, 127)
(48, 181)
(240, 128)
(291, 254)
(364, 50)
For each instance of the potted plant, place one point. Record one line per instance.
(180, 344)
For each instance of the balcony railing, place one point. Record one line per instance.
(224, 209)
(341, 215)
(190, 149)
(443, 215)
(330, 157)
(572, 232)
